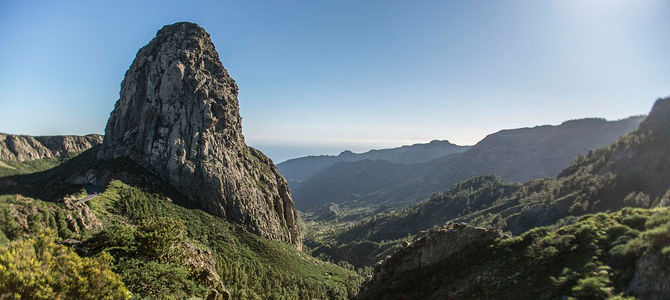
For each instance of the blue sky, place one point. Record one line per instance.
(321, 76)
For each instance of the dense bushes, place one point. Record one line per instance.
(37, 268)
(149, 235)
(151, 258)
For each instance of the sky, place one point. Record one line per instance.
(319, 77)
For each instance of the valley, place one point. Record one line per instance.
(171, 203)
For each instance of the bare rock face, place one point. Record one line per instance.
(80, 217)
(25, 147)
(178, 117)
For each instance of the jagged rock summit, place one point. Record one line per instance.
(178, 117)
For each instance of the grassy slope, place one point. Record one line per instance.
(13, 167)
(249, 266)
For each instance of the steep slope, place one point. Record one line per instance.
(631, 172)
(24, 147)
(602, 256)
(300, 169)
(515, 155)
(178, 117)
(634, 171)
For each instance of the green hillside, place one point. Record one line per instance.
(597, 257)
(14, 167)
(161, 249)
(632, 172)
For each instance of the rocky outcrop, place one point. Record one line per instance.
(178, 117)
(25, 147)
(430, 248)
(203, 265)
(76, 215)
(80, 218)
(651, 279)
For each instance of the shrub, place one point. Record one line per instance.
(158, 280)
(8, 224)
(160, 239)
(592, 288)
(658, 237)
(634, 221)
(40, 269)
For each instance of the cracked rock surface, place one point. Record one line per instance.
(178, 117)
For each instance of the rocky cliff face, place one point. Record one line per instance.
(25, 147)
(178, 117)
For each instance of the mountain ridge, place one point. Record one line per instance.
(514, 154)
(302, 168)
(631, 172)
(26, 147)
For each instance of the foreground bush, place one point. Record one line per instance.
(40, 269)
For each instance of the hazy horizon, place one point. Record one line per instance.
(329, 76)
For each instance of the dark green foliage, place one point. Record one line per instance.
(593, 258)
(159, 239)
(61, 225)
(9, 227)
(150, 258)
(158, 280)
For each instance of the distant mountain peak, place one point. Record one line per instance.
(584, 121)
(659, 117)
